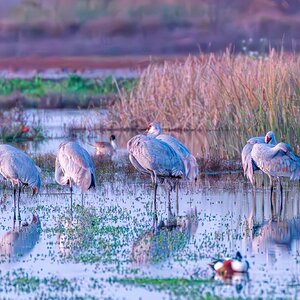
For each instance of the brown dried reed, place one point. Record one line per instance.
(217, 92)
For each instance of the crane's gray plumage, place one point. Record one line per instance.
(277, 161)
(191, 166)
(19, 168)
(154, 157)
(249, 165)
(73, 163)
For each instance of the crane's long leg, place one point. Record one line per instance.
(71, 209)
(271, 196)
(71, 191)
(19, 196)
(82, 200)
(281, 197)
(155, 219)
(169, 203)
(15, 205)
(177, 198)
(171, 223)
(254, 183)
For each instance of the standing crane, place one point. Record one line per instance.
(20, 170)
(74, 164)
(190, 163)
(249, 165)
(156, 158)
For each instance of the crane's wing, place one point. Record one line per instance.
(284, 164)
(157, 156)
(256, 140)
(190, 162)
(179, 148)
(136, 164)
(249, 164)
(75, 163)
(59, 173)
(191, 167)
(276, 162)
(18, 166)
(91, 165)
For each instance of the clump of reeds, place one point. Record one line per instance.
(217, 92)
(16, 127)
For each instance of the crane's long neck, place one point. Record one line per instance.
(154, 132)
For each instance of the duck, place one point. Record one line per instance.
(106, 148)
(229, 266)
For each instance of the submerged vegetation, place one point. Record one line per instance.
(179, 287)
(74, 91)
(217, 92)
(20, 282)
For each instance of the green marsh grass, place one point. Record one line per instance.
(178, 287)
(74, 91)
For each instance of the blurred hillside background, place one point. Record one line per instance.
(145, 27)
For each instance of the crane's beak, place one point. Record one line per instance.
(268, 139)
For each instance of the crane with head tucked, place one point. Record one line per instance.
(276, 161)
(248, 163)
(74, 164)
(156, 158)
(20, 170)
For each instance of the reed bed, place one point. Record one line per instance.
(223, 92)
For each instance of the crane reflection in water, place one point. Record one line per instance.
(21, 240)
(158, 244)
(276, 232)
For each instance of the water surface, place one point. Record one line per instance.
(101, 246)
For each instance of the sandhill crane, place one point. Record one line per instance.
(74, 164)
(20, 170)
(249, 165)
(155, 158)
(105, 148)
(278, 161)
(190, 163)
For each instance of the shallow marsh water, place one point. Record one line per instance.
(92, 250)
(107, 248)
(85, 125)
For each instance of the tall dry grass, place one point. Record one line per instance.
(217, 92)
